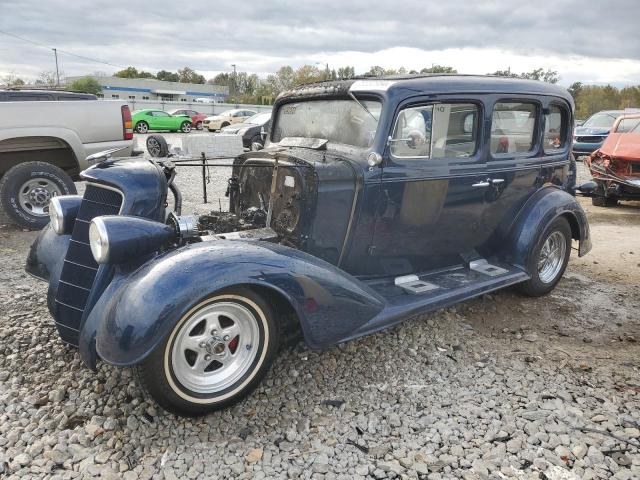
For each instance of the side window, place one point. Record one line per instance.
(442, 130)
(555, 129)
(628, 125)
(512, 127)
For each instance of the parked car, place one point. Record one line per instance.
(615, 166)
(196, 117)
(251, 129)
(372, 201)
(590, 136)
(44, 145)
(18, 95)
(224, 119)
(149, 119)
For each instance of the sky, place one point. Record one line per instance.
(584, 40)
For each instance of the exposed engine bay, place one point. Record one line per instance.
(265, 194)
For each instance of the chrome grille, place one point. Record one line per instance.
(79, 268)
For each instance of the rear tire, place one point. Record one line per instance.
(198, 368)
(199, 125)
(185, 127)
(548, 259)
(142, 127)
(25, 191)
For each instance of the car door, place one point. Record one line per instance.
(432, 194)
(164, 121)
(513, 162)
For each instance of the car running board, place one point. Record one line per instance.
(413, 284)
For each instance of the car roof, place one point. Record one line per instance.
(433, 84)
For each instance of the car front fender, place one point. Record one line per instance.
(140, 308)
(541, 209)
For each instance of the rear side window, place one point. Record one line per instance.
(555, 129)
(512, 127)
(442, 130)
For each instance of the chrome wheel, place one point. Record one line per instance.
(551, 257)
(186, 127)
(142, 127)
(153, 147)
(35, 195)
(215, 347)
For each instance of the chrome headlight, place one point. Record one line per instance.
(56, 215)
(62, 213)
(99, 240)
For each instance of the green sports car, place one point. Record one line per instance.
(149, 119)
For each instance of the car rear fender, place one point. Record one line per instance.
(140, 308)
(541, 209)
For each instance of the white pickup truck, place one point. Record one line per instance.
(44, 146)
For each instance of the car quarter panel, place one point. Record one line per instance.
(140, 308)
(546, 205)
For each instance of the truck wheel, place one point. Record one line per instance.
(157, 146)
(216, 354)
(25, 191)
(142, 127)
(185, 127)
(549, 259)
(604, 201)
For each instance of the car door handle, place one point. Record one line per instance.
(496, 181)
(483, 184)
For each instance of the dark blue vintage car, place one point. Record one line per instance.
(372, 201)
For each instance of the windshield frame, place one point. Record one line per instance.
(361, 96)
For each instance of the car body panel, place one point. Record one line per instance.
(159, 120)
(228, 117)
(194, 115)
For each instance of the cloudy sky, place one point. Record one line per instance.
(586, 40)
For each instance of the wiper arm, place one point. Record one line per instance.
(362, 105)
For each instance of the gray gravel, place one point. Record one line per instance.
(499, 387)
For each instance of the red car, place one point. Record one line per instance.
(196, 118)
(615, 166)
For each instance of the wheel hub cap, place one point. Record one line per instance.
(35, 195)
(551, 257)
(213, 348)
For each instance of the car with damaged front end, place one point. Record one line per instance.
(372, 201)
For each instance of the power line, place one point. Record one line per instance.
(60, 51)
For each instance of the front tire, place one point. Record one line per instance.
(27, 188)
(549, 259)
(224, 124)
(216, 354)
(185, 127)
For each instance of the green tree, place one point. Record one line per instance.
(376, 71)
(188, 75)
(345, 73)
(47, 78)
(549, 76)
(167, 76)
(86, 85)
(439, 69)
(574, 89)
(308, 74)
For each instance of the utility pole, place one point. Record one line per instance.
(55, 53)
(235, 89)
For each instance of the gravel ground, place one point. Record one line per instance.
(499, 387)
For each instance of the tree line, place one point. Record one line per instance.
(249, 88)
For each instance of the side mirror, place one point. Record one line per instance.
(587, 189)
(255, 146)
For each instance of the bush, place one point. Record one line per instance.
(86, 85)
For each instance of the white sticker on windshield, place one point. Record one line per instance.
(289, 181)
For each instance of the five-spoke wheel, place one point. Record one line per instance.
(216, 353)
